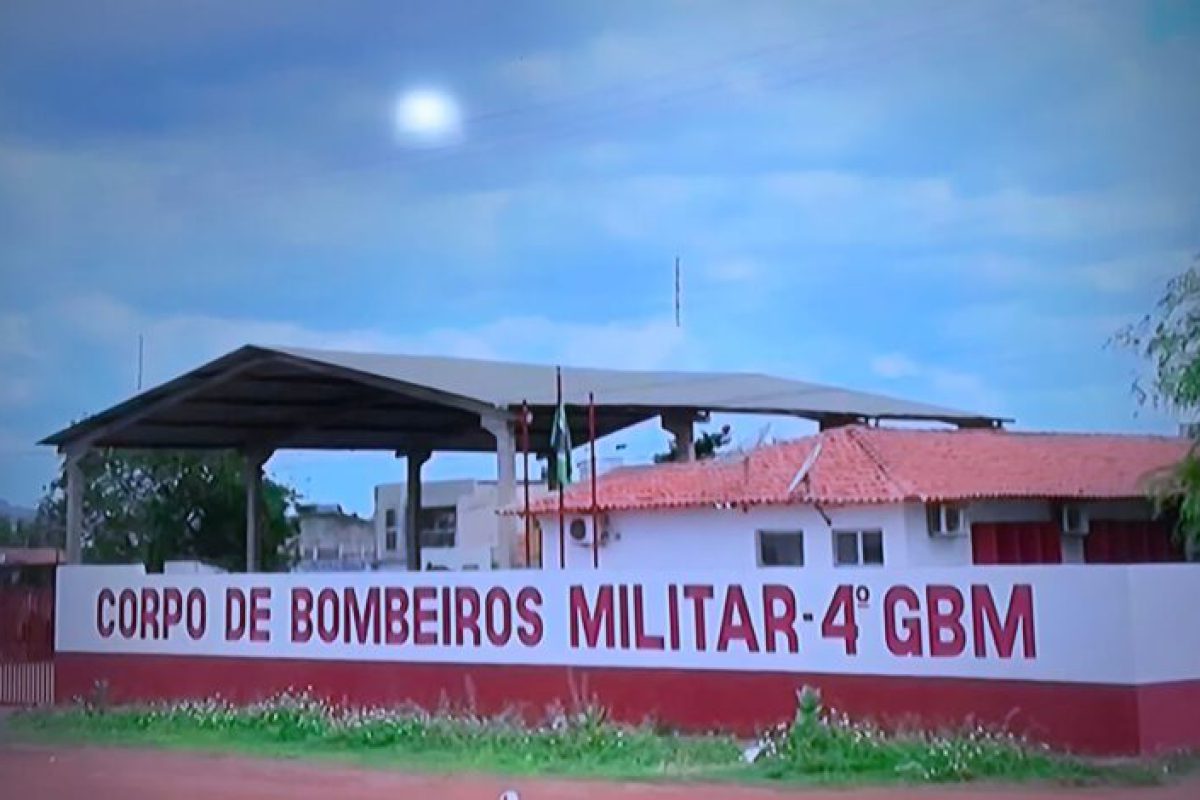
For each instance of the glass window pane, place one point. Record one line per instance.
(389, 517)
(767, 557)
(872, 547)
(933, 517)
(1073, 519)
(781, 548)
(953, 518)
(791, 548)
(845, 547)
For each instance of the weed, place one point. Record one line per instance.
(818, 744)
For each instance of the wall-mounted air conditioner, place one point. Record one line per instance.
(580, 529)
(945, 520)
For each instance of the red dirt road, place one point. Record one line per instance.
(93, 773)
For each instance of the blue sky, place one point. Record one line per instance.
(953, 202)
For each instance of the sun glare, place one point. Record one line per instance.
(428, 117)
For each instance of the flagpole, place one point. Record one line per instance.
(595, 513)
(525, 456)
(562, 510)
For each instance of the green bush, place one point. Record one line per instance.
(818, 744)
(822, 742)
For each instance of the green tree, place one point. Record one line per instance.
(24, 533)
(1169, 339)
(10, 533)
(151, 507)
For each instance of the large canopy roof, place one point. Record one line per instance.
(280, 397)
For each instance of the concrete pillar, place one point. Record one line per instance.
(74, 543)
(414, 460)
(506, 485)
(680, 423)
(252, 481)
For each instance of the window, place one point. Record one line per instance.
(780, 548)
(391, 536)
(852, 548)
(437, 526)
(1016, 543)
(943, 519)
(1130, 542)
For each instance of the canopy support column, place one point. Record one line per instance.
(504, 430)
(252, 477)
(414, 460)
(74, 470)
(680, 423)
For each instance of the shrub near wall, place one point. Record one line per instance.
(817, 745)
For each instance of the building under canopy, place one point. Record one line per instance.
(258, 400)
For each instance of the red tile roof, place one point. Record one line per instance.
(859, 465)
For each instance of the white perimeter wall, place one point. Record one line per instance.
(1093, 624)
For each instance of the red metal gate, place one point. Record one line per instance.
(26, 629)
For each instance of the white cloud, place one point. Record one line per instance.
(16, 391)
(1047, 327)
(938, 384)
(539, 72)
(16, 336)
(848, 205)
(1125, 275)
(894, 365)
(178, 342)
(736, 271)
(12, 442)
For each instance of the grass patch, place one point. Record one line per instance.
(817, 746)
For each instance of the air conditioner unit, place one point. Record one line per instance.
(580, 529)
(945, 520)
(1073, 519)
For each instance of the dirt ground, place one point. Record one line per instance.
(96, 773)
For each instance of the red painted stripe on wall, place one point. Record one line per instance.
(1090, 718)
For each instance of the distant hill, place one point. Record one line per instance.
(10, 511)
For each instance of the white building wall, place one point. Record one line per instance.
(933, 551)
(722, 538)
(389, 496)
(710, 538)
(477, 539)
(327, 538)
(1008, 511)
(328, 530)
(1120, 509)
(477, 535)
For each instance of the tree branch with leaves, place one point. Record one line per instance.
(1169, 339)
(151, 507)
